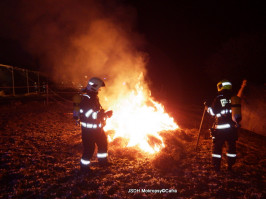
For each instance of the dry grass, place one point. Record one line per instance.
(41, 148)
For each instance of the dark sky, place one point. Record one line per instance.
(184, 36)
(191, 44)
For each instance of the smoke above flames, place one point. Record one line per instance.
(74, 40)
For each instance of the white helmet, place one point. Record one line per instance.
(94, 84)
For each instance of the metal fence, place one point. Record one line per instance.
(19, 81)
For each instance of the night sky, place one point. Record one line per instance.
(191, 44)
(187, 38)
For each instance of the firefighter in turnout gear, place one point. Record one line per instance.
(92, 120)
(224, 128)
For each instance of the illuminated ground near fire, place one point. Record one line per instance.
(41, 149)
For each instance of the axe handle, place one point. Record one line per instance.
(200, 126)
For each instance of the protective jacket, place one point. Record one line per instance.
(91, 117)
(90, 111)
(221, 110)
(223, 129)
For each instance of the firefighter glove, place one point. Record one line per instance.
(109, 113)
(78, 122)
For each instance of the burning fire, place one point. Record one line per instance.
(139, 119)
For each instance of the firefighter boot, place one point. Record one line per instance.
(84, 169)
(85, 166)
(230, 163)
(104, 162)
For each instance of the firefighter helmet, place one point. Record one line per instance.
(224, 85)
(94, 84)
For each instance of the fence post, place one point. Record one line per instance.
(47, 92)
(13, 81)
(38, 82)
(27, 75)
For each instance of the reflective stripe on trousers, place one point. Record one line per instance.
(232, 155)
(102, 155)
(84, 162)
(216, 155)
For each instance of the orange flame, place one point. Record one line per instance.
(139, 119)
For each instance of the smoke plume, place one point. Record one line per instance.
(77, 39)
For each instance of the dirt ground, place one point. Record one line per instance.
(41, 150)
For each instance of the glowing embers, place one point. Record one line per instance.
(139, 119)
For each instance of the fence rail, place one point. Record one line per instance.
(13, 75)
(15, 81)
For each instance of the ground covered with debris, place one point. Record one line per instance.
(41, 150)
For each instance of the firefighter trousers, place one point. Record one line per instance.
(90, 137)
(221, 137)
